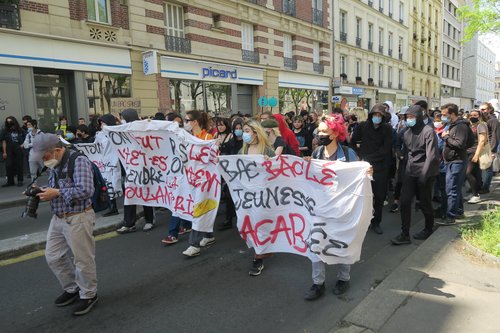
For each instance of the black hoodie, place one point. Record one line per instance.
(130, 115)
(420, 148)
(455, 143)
(375, 142)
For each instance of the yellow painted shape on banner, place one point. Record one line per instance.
(204, 207)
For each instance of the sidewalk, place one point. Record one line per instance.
(443, 286)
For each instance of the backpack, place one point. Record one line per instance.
(100, 199)
(319, 153)
(470, 137)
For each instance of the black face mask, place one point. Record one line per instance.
(474, 120)
(324, 140)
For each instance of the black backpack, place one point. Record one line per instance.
(319, 152)
(470, 137)
(100, 199)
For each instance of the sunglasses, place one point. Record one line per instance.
(483, 109)
(188, 120)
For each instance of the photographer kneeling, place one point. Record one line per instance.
(71, 227)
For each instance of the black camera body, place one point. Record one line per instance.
(32, 202)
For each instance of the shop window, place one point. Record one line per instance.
(98, 11)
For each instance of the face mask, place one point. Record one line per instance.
(438, 124)
(474, 120)
(411, 122)
(188, 127)
(247, 138)
(238, 133)
(30, 129)
(324, 140)
(445, 120)
(376, 120)
(52, 163)
(70, 136)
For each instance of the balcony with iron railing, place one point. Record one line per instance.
(318, 68)
(289, 7)
(390, 14)
(290, 63)
(370, 3)
(317, 16)
(358, 41)
(343, 37)
(380, 49)
(254, 1)
(9, 16)
(380, 83)
(381, 9)
(401, 21)
(250, 56)
(400, 56)
(400, 86)
(178, 44)
(389, 51)
(370, 46)
(389, 85)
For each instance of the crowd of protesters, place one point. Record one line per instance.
(418, 155)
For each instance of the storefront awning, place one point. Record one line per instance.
(34, 51)
(303, 81)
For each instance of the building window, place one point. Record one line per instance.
(343, 65)
(390, 8)
(343, 22)
(400, 79)
(317, 10)
(401, 12)
(389, 75)
(370, 70)
(174, 20)
(358, 27)
(358, 68)
(247, 36)
(381, 75)
(370, 32)
(98, 11)
(316, 52)
(289, 7)
(287, 46)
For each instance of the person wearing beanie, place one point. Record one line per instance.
(271, 127)
(159, 116)
(421, 154)
(108, 120)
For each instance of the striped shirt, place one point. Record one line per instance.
(75, 195)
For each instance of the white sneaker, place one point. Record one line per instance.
(475, 199)
(207, 241)
(191, 251)
(148, 226)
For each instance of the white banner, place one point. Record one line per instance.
(319, 209)
(99, 152)
(167, 167)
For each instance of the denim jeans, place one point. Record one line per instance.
(487, 177)
(455, 178)
(175, 224)
(319, 272)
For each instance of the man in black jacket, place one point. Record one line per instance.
(422, 165)
(372, 139)
(493, 134)
(455, 137)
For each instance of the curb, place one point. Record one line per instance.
(398, 286)
(5, 204)
(483, 256)
(13, 247)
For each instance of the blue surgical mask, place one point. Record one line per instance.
(30, 129)
(247, 138)
(411, 122)
(445, 120)
(238, 133)
(376, 120)
(70, 136)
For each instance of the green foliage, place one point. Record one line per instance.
(486, 234)
(481, 16)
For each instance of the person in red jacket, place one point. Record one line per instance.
(287, 134)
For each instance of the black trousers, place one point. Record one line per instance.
(14, 164)
(411, 187)
(230, 210)
(379, 189)
(130, 211)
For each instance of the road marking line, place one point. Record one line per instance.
(39, 253)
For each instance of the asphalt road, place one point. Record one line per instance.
(145, 287)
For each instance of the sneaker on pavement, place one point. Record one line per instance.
(475, 199)
(394, 208)
(446, 222)
(257, 267)
(169, 240)
(192, 251)
(183, 230)
(377, 229)
(423, 234)
(207, 241)
(315, 292)
(439, 214)
(341, 287)
(484, 191)
(126, 230)
(401, 239)
(66, 298)
(83, 306)
(148, 226)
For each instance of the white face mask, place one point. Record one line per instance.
(52, 163)
(188, 127)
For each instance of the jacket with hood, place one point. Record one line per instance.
(130, 115)
(375, 142)
(394, 117)
(420, 148)
(287, 134)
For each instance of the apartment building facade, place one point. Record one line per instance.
(72, 57)
(425, 27)
(370, 52)
(451, 59)
(478, 79)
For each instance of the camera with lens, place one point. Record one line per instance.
(32, 202)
